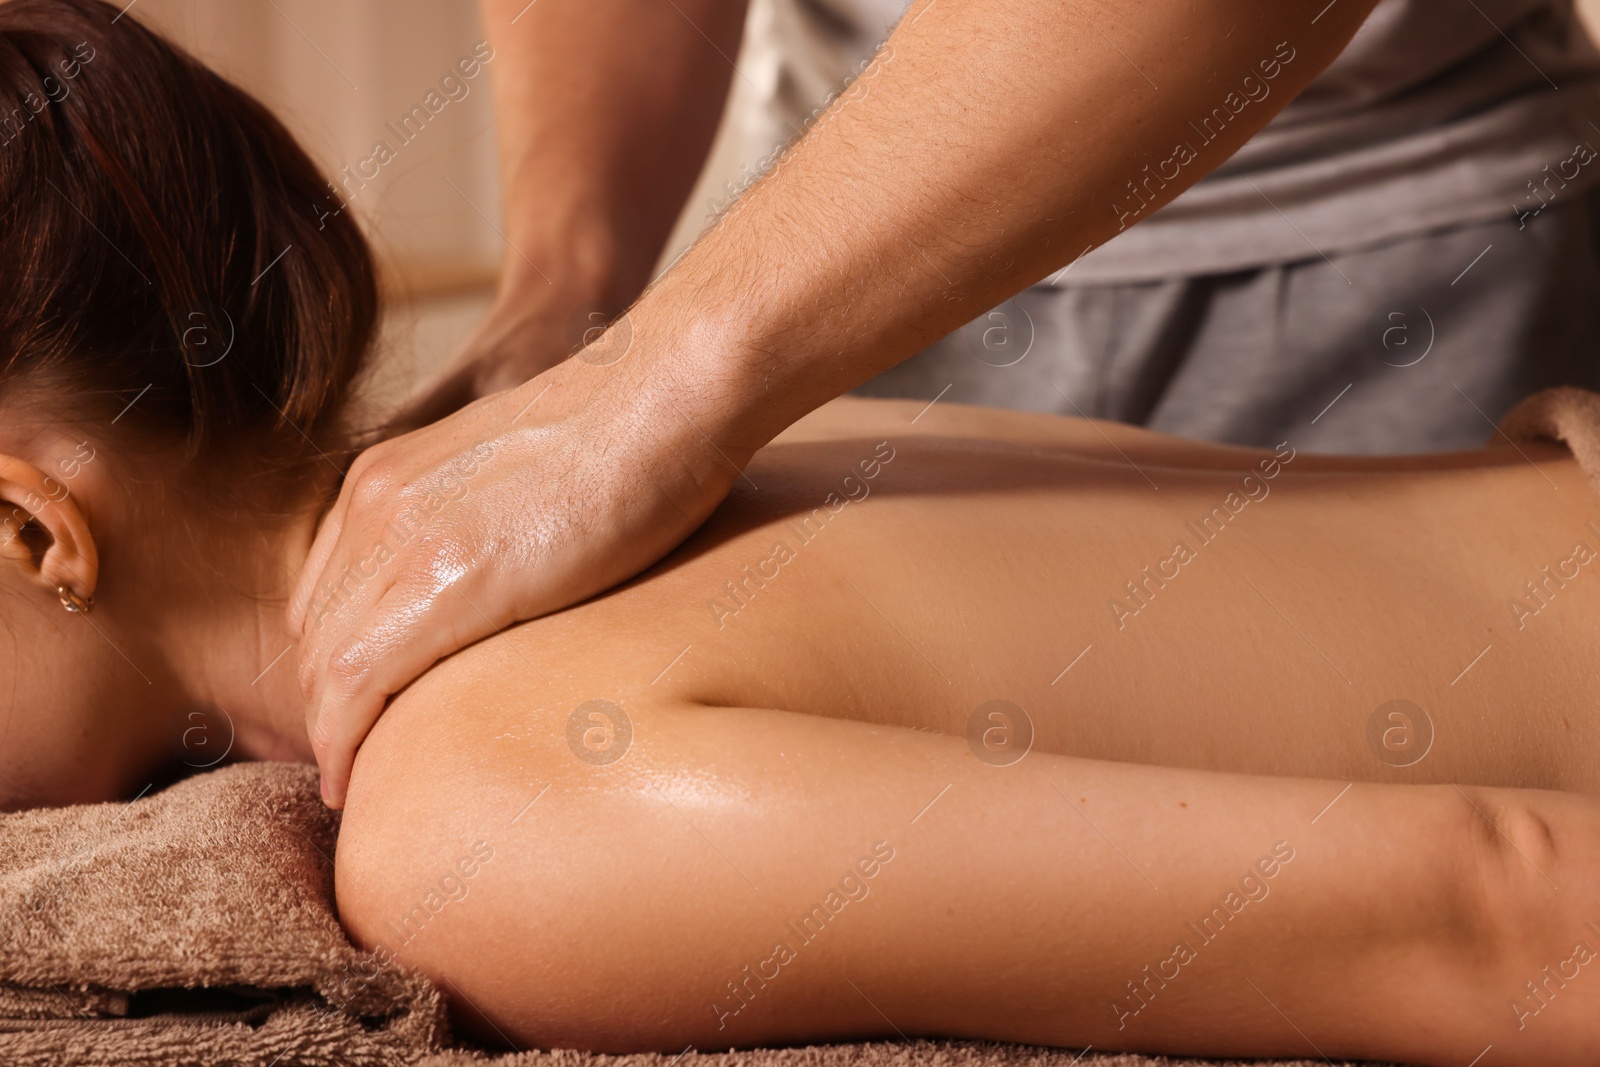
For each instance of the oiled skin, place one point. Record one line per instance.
(982, 561)
(988, 145)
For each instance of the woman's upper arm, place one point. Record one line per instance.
(744, 876)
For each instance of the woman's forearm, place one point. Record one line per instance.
(745, 877)
(989, 144)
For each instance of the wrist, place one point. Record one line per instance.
(701, 359)
(707, 343)
(571, 252)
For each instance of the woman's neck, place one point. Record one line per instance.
(216, 626)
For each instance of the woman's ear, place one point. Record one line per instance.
(43, 530)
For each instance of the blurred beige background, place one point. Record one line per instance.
(339, 72)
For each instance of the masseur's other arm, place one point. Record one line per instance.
(604, 115)
(990, 143)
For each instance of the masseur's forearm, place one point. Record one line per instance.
(989, 144)
(605, 114)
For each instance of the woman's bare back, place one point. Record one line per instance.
(1126, 595)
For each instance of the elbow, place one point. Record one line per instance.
(1534, 878)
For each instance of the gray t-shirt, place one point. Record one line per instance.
(1439, 112)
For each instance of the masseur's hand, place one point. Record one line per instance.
(519, 504)
(989, 143)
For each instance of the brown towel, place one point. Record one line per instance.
(193, 926)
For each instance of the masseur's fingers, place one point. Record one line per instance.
(344, 571)
(520, 504)
(313, 598)
(407, 631)
(365, 614)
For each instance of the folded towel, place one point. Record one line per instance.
(1565, 414)
(196, 926)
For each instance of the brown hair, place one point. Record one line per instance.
(168, 260)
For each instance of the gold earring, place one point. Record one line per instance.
(77, 605)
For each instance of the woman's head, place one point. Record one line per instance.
(181, 321)
(164, 237)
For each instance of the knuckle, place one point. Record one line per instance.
(348, 666)
(369, 458)
(443, 557)
(372, 484)
(360, 466)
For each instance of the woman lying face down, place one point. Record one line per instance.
(180, 332)
(950, 722)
